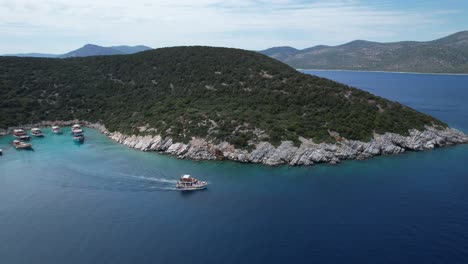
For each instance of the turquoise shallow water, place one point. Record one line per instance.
(101, 202)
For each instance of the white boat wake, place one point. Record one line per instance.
(153, 179)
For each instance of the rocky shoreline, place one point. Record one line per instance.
(308, 153)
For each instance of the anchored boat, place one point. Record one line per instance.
(20, 134)
(77, 133)
(189, 183)
(78, 138)
(36, 132)
(76, 127)
(21, 145)
(56, 130)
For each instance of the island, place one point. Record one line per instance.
(208, 103)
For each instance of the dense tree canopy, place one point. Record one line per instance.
(219, 93)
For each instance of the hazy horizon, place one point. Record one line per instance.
(56, 28)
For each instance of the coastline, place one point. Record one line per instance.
(308, 153)
(416, 73)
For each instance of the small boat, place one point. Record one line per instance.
(36, 132)
(56, 130)
(189, 183)
(21, 145)
(78, 138)
(78, 135)
(20, 134)
(76, 127)
(1, 152)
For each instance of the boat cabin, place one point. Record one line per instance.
(19, 132)
(187, 178)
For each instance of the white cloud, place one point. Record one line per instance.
(58, 26)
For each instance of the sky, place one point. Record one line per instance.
(52, 26)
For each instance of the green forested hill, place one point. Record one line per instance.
(216, 93)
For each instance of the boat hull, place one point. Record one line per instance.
(26, 146)
(22, 137)
(79, 140)
(191, 188)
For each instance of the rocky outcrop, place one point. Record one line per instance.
(307, 153)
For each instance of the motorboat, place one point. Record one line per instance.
(36, 132)
(56, 130)
(189, 183)
(78, 138)
(78, 135)
(18, 144)
(75, 127)
(20, 134)
(1, 152)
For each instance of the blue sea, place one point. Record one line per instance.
(100, 202)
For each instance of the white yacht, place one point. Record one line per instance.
(18, 144)
(56, 130)
(36, 132)
(77, 133)
(189, 183)
(20, 134)
(78, 137)
(76, 129)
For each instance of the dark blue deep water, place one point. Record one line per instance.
(103, 203)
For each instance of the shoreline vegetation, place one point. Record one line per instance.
(308, 153)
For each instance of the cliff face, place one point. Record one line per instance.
(308, 153)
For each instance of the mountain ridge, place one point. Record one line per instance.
(444, 55)
(88, 50)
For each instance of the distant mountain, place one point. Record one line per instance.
(91, 50)
(280, 53)
(88, 50)
(33, 55)
(445, 55)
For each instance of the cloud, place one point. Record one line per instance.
(250, 24)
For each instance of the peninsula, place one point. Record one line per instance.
(214, 103)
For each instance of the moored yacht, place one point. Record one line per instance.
(78, 137)
(56, 130)
(77, 133)
(189, 183)
(20, 134)
(36, 132)
(76, 127)
(18, 144)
